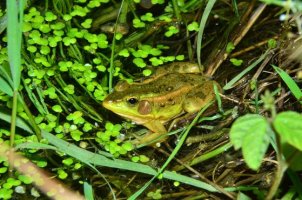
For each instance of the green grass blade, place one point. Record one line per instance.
(20, 123)
(94, 159)
(88, 191)
(230, 84)
(202, 24)
(124, 5)
(5, 73)
(3, 23)
(291, 84)
(286, 4)
(34, 145)
(99, 160)
(5, 87)
(14, 35)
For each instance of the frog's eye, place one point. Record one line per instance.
(132, 101)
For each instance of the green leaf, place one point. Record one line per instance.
(5, 87)
(96, 159)
(118, 36)
(236, 62)
(272, 43)
(230, 47)
(289, 126)
(147, 72)
(62, 174)
(87, 23)
(25, 179)
(232, 82)
(99, 160)
(139, 62)
(76, 135)
(180, 57)
(291, 84)
(155, 61)
(67, 161)
(202, 26)
(293, 155)
(88, 192)
(14, 35)
(172, 30)
(194, 26)
(144, 158)
(242, 196)
(137, 23)
(20, 122)
(147, 17)
(249, 132)
(3, 170)
(49, 16)
(57, 108)
(6, 193)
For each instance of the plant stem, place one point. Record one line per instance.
(31, 119)
(14, 118)
(281, 168)
(176, 10)
(111, 67)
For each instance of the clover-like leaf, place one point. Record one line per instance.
(139, 62)
(76, 135)
(194, 26)
(137, 23)
(62, 174)
(236, 62)
(57, 108)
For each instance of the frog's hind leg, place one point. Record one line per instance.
(199, 98)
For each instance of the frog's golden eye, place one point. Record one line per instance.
(132, 101)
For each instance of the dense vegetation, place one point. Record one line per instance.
(62, 58)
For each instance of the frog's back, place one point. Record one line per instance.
(179, 67)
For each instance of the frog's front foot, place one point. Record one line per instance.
(150, 138)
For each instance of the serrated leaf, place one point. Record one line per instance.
(250, 133)
(289, 126)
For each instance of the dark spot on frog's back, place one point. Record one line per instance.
(201, 95)
(171, 101)
(176, 67)
(162, 105)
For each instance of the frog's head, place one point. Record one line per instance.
(129, 105)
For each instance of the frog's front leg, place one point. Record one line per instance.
(157, 133)
(183, 119)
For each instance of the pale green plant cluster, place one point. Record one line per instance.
(65, 78)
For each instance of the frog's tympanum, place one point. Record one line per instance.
(172, 92)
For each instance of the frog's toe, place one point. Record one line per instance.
(149, 139)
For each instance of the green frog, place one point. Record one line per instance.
(174, 91)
